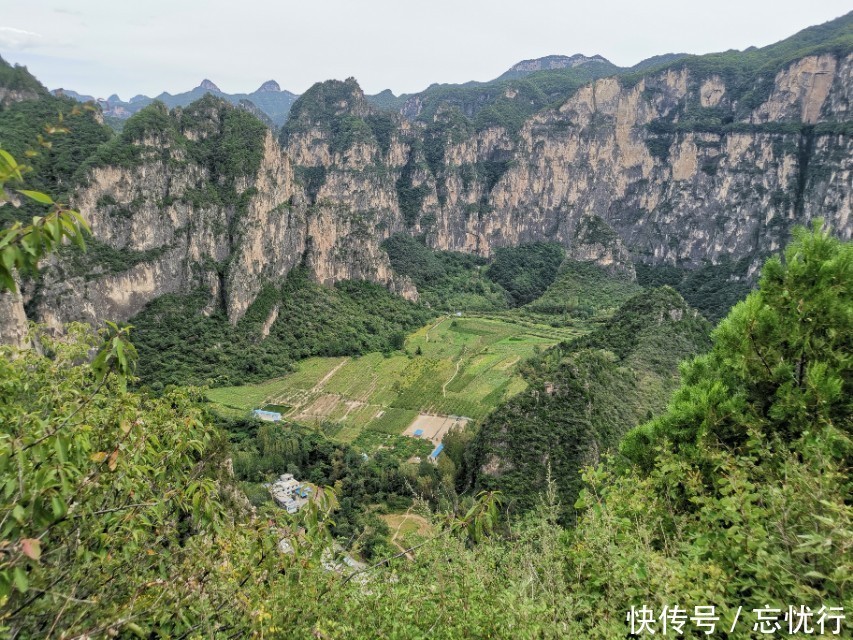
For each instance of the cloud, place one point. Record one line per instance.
(18, 39)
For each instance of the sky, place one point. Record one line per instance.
(101, 47)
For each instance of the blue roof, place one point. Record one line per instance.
(436, 451)
(419, 432)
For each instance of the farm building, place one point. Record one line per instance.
(433, 457)
(269, 416)
(289, 493)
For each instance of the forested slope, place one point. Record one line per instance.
(583, 397)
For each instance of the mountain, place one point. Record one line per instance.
(506, 101)
(701, 165)
(550, 63)
(68, 93)
(657, 61)
(595, 474)
(16, 84)
(269, 98)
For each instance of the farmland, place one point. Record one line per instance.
(455, 366)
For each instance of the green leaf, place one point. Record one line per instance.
(9, 159)
(18, 513)
(21, 581)
(38, 196)
(57, 506)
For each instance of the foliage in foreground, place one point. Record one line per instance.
(729, 508)
(118, 518)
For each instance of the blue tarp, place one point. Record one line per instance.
(436, 451)
(267, 415)
(419, 432)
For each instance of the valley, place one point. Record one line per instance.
(502, 359)
(461, 366)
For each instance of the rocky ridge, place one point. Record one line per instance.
(678, 167)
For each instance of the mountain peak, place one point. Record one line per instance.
(548, 63)
(268, 86)
(207, 84)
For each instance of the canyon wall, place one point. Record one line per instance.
(671, 166)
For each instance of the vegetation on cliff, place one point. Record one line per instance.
(584, 290)
(54, 136)
(526, 271)
(226, 141)
(18, 79)
(713, 289)
(446, 280)
(340, 111)
(452, 281)
(179, 344)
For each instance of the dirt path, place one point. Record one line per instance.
(408, 554)
(351, 404)
(426, 337)
(319, 386)
(455, 373)
(423, 528)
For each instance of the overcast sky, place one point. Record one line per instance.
(99, 47)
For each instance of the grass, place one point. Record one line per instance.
(461, 366)
(407, 528)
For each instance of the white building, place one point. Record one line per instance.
(289, 493)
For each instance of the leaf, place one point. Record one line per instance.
(38, 196)
(8, 158)
(31, 548)
(58, 507)
(18, 513)
(98, 457)
(113, 463)
(21, 581)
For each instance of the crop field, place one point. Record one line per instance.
(455, 366)
(432, 428)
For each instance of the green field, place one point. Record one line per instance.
(461, 366)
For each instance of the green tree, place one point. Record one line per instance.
(780, 363)
(22, 246)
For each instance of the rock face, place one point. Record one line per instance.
(13, 320)
(269, 85)
(176, 236)
(596, 242)
(207, 85)
(617, 173)
(526, 67)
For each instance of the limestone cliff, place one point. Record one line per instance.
(680, 166)
(175, 222)
(670, 163)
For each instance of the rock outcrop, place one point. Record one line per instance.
(667, 169)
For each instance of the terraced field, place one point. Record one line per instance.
(454, 366)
